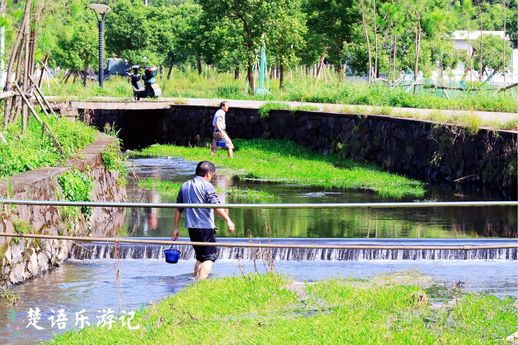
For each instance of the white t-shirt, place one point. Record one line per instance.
(219, 116)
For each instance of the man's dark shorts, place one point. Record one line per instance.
(204, 253)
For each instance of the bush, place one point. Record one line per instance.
(31, 151)
(228, 91)
(76, 186)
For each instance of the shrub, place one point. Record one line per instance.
(76, 186)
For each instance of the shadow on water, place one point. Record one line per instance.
(317, 223)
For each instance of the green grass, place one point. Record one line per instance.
(260, 309)
(114, 161)
(77, 186)
(171, 189)
(31, 151)
(188, 84)
(286, 162)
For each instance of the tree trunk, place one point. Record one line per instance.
(236, 73)
(376, 73)
(42, 70)
(281, 75)
(3, 5)
(417, 50)
(14, 57)
(67, 76)
(366, 33)
(393, 53)
(250, 77)
(170, 71)
(319, 67)
(339, 71)
(198, 63)
(26, 33)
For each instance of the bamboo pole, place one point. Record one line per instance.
(43, 99)
(26, 64)
(44, 125)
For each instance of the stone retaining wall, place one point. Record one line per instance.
(23, 259)
(484, 162)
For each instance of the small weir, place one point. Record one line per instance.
(100, 250)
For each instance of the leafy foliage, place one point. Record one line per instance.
(77, 186)
(31, 151)
(115, 161)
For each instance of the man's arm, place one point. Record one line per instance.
(223, 214)
(212, 198)
(177, 216)
(176, 229)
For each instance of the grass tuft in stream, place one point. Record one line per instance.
(285, 162)
(268, 309)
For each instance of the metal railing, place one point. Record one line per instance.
(261, 206)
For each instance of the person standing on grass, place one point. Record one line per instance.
(220, 133)
(200, 221)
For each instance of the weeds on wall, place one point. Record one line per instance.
(114, 161)
(21, 227)
(76, 186)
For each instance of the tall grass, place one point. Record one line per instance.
(286, 162)
(32, 151)
(188, 84)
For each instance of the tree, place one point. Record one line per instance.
(333, 21)
(287, 39)
(492, 56)
(129, 33)
(253, 18)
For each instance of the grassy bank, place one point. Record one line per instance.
(285, 162)
(170, 189)
(266, 309)
(31, 151)
(188, 84)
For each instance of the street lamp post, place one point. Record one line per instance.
(101, 11)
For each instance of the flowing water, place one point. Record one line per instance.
(451, 222)
(93, 284)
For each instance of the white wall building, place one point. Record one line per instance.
(463, 40)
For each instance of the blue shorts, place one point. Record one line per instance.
(204, 253)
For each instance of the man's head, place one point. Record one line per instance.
(206, 170)
(224, 105)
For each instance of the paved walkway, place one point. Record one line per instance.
(488, 118)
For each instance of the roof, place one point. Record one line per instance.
(473, 35)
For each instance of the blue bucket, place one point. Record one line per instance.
(221, 143)
(171, 255)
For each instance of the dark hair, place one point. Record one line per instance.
(204, 167)
(222, 104)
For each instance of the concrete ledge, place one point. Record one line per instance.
(71, 107)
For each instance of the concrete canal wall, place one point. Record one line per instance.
(23, 259)
(485, 161)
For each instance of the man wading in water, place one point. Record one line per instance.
(200, 221)
(220, 131)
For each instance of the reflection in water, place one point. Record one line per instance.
(319, 223)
